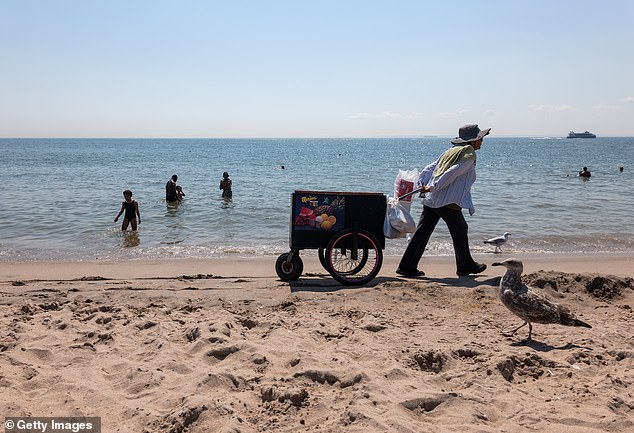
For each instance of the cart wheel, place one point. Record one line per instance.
(322, 259)
(352, 266)
(289, 271)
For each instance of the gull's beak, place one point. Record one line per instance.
(497, 264)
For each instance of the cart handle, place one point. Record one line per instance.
(410, 193)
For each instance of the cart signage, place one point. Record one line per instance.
(319, 212)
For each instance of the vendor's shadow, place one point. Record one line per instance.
(468, 282)
(324, 283)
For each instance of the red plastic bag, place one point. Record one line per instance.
(404, 183)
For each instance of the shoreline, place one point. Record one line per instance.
(617, 264)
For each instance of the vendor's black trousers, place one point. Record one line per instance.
(458, 229)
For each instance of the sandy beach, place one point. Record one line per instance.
(222, 345)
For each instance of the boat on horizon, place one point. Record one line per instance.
(586, 134)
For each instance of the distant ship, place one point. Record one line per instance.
(586, 134)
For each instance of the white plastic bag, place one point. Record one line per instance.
(398, 221)
(388, 230)
(405, 182)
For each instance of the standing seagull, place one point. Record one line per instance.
(529, 305)
(498, 241)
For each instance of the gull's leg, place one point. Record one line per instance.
(513, 331)
(530, 330)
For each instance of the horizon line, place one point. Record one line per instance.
(288, 137)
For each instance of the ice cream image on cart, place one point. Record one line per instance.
(319, 212)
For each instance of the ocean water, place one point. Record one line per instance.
(60, 196)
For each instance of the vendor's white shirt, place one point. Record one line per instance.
(453, 186)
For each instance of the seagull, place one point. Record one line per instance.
(498, 241)
(529, 305)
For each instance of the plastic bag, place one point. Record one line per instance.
(405, 182)
(398, 221)
(388, 230)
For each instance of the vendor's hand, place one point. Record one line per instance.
(425, 189)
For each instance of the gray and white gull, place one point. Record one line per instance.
(498, 241)
(529, 305)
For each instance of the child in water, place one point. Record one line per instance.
(225, 185)
(179, 193)
(131, 209)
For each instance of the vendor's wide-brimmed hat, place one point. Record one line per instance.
(469, 133)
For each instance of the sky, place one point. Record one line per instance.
(327, 68)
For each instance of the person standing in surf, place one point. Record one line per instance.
(131, 208)
(225, 185)
(171, 195)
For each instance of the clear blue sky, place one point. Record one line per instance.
(295, 68)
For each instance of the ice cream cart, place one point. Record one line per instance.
(346, 228)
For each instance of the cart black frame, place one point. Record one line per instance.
(348, 234)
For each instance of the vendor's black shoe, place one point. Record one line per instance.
(479, 268)
(410, 273)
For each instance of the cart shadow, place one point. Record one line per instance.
(325, 284)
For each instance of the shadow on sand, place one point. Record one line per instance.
(324, 283)
(539, 346)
